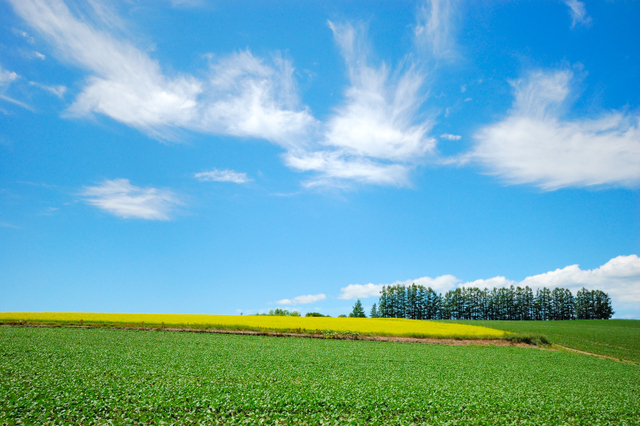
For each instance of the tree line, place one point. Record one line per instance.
(505, 303)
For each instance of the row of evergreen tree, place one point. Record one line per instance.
(507, 303)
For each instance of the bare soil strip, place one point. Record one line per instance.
(398, 339)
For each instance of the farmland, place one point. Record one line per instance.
(364, 326)
(615, 338)
(99, 376)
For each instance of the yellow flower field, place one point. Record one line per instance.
(367, 326)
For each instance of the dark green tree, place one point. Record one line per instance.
(358, 310)
(374, 312)
(603, 308)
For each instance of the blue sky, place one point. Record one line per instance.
(226, 157)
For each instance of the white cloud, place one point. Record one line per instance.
(302, 300)
(126, 84)
(442, 283)
(376, 136)
(578, 13)
(362, 291)
(335, 167)
(222, 176)
(534, 145)
(7, 77)
(246, 97)
(16, 102)
(490, 283)
(450, 137)
(122, 199)
(619, 277)
(435, 28)
(378, 119)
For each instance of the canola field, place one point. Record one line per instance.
(364, 326)
(108, 376)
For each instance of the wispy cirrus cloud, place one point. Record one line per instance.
(246, 96)
(535, 145)
(302, 300)
(434, 30)
(6, 79)
(57, 90)
(376, 135)
(127, 201)
(222, 176)
(8, 225)
(243, 95)
(578, 12)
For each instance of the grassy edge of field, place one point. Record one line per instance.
(514, 338)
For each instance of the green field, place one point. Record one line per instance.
(615, 338)
(87, 376)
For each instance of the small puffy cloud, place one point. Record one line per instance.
(450, 137)
(578, 13)
(302, 300)
(7, 77)
(362, 291)
(490, 283)
(535, 145)
(222, 176)
(124, 200)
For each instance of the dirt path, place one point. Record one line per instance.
(626, 361)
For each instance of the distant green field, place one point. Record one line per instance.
(616, 338)
(104, 376)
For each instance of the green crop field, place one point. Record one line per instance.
(100, 376)
(616, 338)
